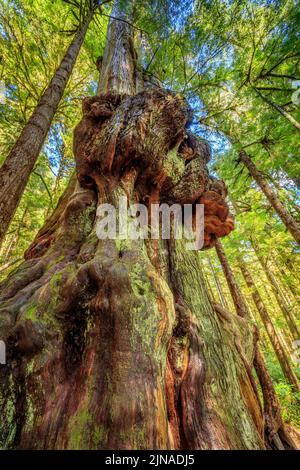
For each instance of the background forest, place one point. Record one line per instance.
(237, 63)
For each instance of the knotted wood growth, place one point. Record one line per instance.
(146, 136)
(115, 342)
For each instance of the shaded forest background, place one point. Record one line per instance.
(237, 63)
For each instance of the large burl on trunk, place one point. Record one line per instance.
(114, 344)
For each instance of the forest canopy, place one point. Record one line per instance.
(235, 64)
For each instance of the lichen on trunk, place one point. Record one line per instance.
(113, 344)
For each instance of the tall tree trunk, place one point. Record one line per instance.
(208, 286)
(118, 68)
(285, 277)
(18, 165)
(277, 205)
(278, 108)
(285, 309)
(272, 334)
(114, 344)
(58, 180)
(217, 283)
(14, 239)
(236, 294)
(275, 430)
(286, 281)
(9, 264)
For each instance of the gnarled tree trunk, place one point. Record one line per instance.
(114, 344)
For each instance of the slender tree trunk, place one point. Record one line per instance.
(291, 291)
(285, 309)
(275, 431)
(272, 334)
(217, 283)
(58, 179)
(278, 108)
(277, 205)
(9, 264)
(16, 236)
(208, 287)
(10, 244)
(16, 170)
(288, 294)
(113, 343)
(237, 296)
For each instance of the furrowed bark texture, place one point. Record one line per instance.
(16, 170)
(118, 71)
(113, 344)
